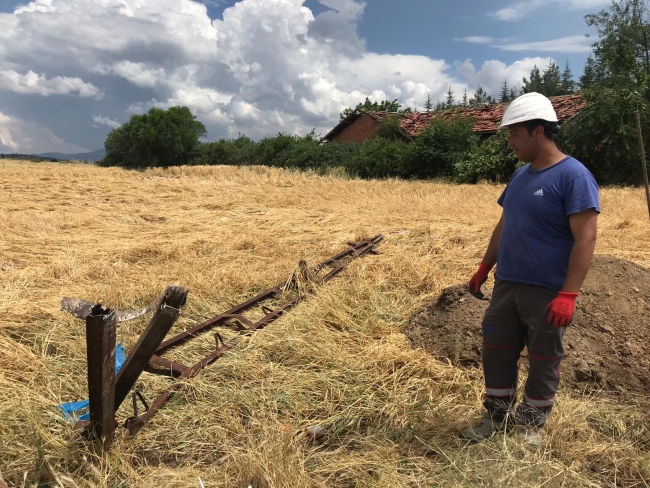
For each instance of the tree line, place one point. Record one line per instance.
(615, 83)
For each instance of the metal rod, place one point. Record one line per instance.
(643, 164)
(100, 349)
(160, 325)
(176, 369)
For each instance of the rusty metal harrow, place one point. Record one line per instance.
(107, 391)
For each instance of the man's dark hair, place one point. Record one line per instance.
(550, 128)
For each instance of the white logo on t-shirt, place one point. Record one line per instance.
(539, 193)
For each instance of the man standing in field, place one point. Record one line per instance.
(543, 244)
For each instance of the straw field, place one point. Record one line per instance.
(339, 360)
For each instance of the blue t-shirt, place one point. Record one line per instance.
(536, 241)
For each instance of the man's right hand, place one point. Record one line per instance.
(478, 279)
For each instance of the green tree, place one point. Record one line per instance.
(442, 144)
(589, 74)
(390, 128)
(450, 100)
(567, 85)
(384, 106)
(428, 105)
(513, 93)
(493, 160)
(480, 98)
(380, 158)
(552, 80)
(535, 83)
(465, 100)
(158, 138)
(505, 93)
(603, 135)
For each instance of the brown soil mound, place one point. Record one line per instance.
(607, 345)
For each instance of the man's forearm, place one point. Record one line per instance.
(579, 263)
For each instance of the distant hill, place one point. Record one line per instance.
(89, 156)
(27, 157)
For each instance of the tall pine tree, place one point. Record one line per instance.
(552, 80)
(534, 84)
(505, 93)
(428, 105)
(450, 100)
(589, 74)
(567, 84)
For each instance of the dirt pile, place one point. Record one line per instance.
(607, 345)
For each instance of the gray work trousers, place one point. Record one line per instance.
(516, 318)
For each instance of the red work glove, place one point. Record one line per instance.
(478, 279)
(560, 310)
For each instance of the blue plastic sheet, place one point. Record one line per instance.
(72, 410)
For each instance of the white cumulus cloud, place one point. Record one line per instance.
(113, 124)
(569, 44)
(523, 9)
(32, 83)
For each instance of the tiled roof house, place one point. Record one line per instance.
(360, 125)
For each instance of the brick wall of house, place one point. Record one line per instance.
(359, 131)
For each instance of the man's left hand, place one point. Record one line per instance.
(560, 310)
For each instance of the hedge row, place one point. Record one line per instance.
(443, 150)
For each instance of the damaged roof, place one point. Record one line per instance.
(486, 117)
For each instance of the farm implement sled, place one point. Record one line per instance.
(109, 385)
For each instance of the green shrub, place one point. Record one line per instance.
(380, 158)
(603, 136)
(493, 160)
(242, 151)
(390, 128)
(158, 138)
(437, 150)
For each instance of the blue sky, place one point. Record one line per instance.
(71, 70)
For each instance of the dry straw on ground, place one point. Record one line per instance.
(339, 360)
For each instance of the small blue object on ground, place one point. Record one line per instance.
(71, 409)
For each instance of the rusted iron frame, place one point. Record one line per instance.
(100, 353)
(103, 385)
(182, 372)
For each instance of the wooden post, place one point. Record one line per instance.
(643, 165)
(153, 335)
(100, 347)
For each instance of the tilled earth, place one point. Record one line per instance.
(607, 346)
